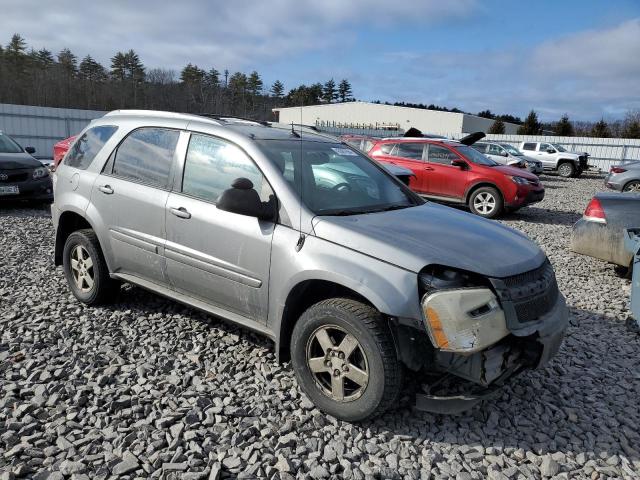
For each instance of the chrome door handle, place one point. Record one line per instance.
(180, 212)
(106, 189)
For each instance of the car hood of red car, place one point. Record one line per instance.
(516, 172)
(429, 234)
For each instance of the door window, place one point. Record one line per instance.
(481, 147)
(86, 148)
(145, 156)
(495, 150)
(211, 166)
(441, 155)
(411, 151)
(544, 147)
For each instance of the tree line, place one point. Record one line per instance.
(38, 77)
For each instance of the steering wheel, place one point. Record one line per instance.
(341, 187)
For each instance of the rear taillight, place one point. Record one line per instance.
(617, 170)
(595, 212)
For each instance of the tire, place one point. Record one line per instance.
(320, 333)
(632, 186)
(566, 169)
(89, 279)
(486, 202)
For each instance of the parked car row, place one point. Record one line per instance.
(22, 177)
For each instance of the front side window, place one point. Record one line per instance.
(211, 166)
(442, 155)
(332, 179)
(529, 146)
(544, 147)
(495, 150)
(7, 145)
(511, 149)
(412, 151)
(85, 148)
(559, 148)
(146, 156)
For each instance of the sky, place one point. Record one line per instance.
(581, 58)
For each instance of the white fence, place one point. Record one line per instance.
(42, 127)
(603, 152)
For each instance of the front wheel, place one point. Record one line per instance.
(633, 186)
(486, 202)
(345, 360)
(566, 170)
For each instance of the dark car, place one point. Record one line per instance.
(22, 177)
(601, 230)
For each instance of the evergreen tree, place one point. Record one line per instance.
(119, 66)
(192, 75)
(486, 114)
(344, 90)
(531, 125)
(134, 67)
(600, 129)
(277, 89)
(91, 70)
(254, 83)
(238, 83)
(68, 61)
(16, 48)
(44, 57)
(497, 127)
(212, 78)
(329, 93)
(564, 128)
(631, 128)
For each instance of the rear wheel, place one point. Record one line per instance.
(345, 359)
(632, 186)
(486, 202)
(86, 270)
(566, 169)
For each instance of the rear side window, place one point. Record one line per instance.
(441, 155)
(386, 148)
(146, 155)
(86, 148)
(481, 147)
(213, 164)
(529, 146)
(412, 151)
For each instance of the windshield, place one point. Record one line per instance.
(511, 149)
(475, 156)
(560, 148)
(7, 145)
(333, 179)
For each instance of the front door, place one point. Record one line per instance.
(130, 194)
(548, 159)
(444, 180)
(221, 258)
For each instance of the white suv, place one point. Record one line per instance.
(554, 157)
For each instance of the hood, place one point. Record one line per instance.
(14, 161)
(518, 172)
(415, 237)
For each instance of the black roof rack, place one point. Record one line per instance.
(218, 116)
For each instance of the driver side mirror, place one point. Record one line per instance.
(504, 154)
(242, 199)
(30, 150)
(459, 163)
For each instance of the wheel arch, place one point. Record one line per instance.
(470, 191)
(68, 222)
(633, 180)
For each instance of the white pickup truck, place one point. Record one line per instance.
(555, 158)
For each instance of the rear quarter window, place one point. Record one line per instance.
(85, 149)
(386, 148)
(529, 146)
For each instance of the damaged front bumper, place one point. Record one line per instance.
(484, 373)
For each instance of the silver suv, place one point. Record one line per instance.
(301, 238)
(555, 157)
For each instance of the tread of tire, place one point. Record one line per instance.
(370, 317)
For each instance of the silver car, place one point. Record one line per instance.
(624, 177)
(508, 155)
(306, 240)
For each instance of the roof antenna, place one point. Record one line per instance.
(293, 132)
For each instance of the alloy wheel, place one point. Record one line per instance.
(484, 203)
(565, 170)
(632, 187)
(82, 268)
(338, 363)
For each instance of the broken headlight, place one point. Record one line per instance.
(461, 313)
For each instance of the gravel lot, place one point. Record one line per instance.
(148, 388)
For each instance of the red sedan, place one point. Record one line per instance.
(59, 150)
(451, 172)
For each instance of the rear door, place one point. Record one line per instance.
(219, 257)
(410, 155)
(443, 179)
(130, 196)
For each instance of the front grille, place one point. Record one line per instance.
(14, 176)
(532, 294)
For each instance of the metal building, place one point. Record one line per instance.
(375, 114)
(42, 127)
